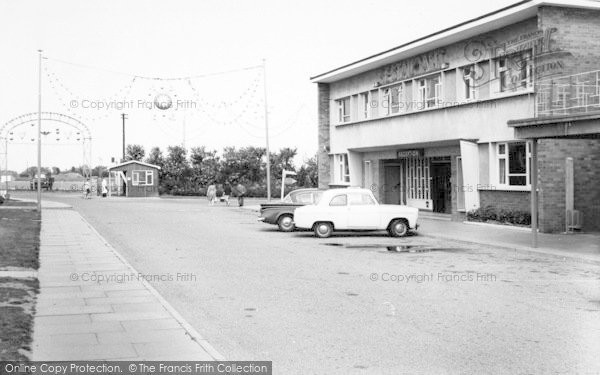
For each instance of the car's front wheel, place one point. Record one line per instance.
(398, 228)
(285, 223)
(323, 229)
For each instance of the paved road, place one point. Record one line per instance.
(350, 305)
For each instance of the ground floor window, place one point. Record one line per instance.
(341, 171)
(143, 178)
(514, 159)
(417, 178)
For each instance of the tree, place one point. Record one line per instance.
(177, 172)
(205, 166)
(134, 152)
(156, 157)
(32, 172)
(55, 170)
(100, 171)
(244, 165)
(284, 159)
(308, 174)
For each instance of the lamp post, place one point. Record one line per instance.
(123, 117)
(5, 164)
(39, 143)
(264, 66)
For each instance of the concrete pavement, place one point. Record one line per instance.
(580, 247)
(82, 314)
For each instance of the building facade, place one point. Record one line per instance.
(134, 179)
(426, 123)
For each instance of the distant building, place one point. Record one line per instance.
(446, 123)
(134, 179)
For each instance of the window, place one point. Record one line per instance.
(514, 72)
(339, 200)
(392, 97)
(344, 110)
(364, 105)
(360, 199)
(468, 74)
(304, 198)
(143, 178)
(514, 160)
(430, 90)
(342, 171)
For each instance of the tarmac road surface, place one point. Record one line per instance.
(350, 304)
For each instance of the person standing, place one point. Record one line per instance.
(241, 192)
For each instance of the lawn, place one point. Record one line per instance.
(19, 237)
(19, 248)
(17, 302)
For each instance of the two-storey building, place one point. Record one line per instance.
(426, 123)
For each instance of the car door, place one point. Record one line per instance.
(363, 211)
(337, 211)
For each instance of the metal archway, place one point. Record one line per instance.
(84, 133)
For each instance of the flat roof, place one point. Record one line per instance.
(491, 21)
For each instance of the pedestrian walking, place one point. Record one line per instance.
(104, 188)
(226, 193)
(211, 194)
(87, 189)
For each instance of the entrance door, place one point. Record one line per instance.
(124, 184)
(393, 184)
(441, 189)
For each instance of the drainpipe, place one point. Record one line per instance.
(534, 196)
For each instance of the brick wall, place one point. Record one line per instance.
(576, 36)
(586, 169)
(323, 161)
(512, 200)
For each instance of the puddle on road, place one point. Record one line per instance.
(396, 248)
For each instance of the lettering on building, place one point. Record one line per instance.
(414, 66)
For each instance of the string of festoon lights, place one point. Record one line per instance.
(245, 110)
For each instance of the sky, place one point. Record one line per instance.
(102, 58)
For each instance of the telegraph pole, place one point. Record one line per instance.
(264, 66)
(124, 117)
(39, 142)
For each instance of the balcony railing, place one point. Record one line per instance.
(568, 95)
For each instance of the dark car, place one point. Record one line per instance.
(282, 213)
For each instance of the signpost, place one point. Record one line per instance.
(285, 180)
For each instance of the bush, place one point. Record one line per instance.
(503, 215)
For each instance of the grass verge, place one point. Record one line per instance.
(19, 248)
(19, 237)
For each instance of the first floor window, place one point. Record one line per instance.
(342, 170)
(514, 71)
(392, 97)
(143, 178)
(468, 73)
(364, 103)
(514, 159)
(430, 91)
(344, 110)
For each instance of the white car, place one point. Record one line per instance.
(355, 209)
